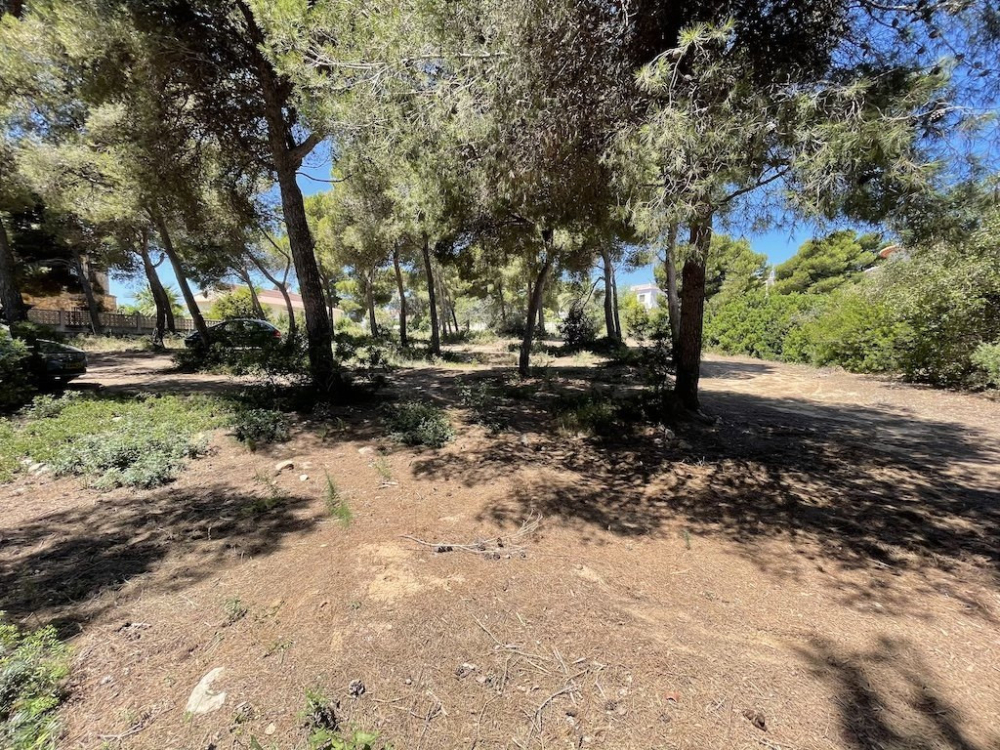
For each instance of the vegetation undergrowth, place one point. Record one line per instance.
(418, 423)
(256, 427)
(33, 666)
(138, 441)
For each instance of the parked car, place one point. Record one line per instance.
(58, 363)
(239, 333)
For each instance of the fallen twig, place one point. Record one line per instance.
(494, 547)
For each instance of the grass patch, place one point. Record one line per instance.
(336, 505)
(32, 669)
(256, 427)
(597, 414)
(418, 423)
(274, 497)
(235, 610)
(135, 441)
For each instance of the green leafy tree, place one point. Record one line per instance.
(824, 264)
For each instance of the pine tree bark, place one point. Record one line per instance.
(673, 299)
(614, 296)
(175, 262)
(609, 297)
(688, 360)
(402, 298)
(14, 309)
(541, 321)
(160, 298)
(432, 299)
(286, 157)
(83, 276)
(534, 304)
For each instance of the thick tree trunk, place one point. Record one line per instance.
(402, 297)
(673, 299)
(83, 276)
(609, 297)
(534, 304)
(432, 299)
(688, 360)
(443, 307)
(541, 321)
(175, 262)
(10, 295)
(287, 158)
(160, 298)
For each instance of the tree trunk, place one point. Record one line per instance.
(443, 311)
(287, 158)
(614, 295)
(609, 297)
(503, 304)
(432, 299)
(370, 299)
(244, 276)
(282, 287)
(688, 360)
(175, 262)
(534, 304)
(402, 297)
(10, 295)
(83, 275)
(160, 298)
(673, 300)
(541, 321)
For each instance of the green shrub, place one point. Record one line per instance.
(755, 324)
(32, 669)
(578, 329)
(17, 385)
(418, 423)
(255, 427)
(596, 414)
(336, 505)
(140, 441)
(987, 359)
(483, 402)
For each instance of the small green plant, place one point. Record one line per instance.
(483, 402)
(235, 610)
(578, 329)
(987, 359)
(320, 719)
(382, 468)
(593, 415)
(336, 505)
(17, 382)
(256, 427)
(32, 669)
(418, 423)
(273, 498)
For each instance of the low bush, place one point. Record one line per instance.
(256, 427)
(597, 414)
(987, 359)
(483, 402)
(418, 423)
(17, 384)
(139, 441)
(33, 666)
(578, 329)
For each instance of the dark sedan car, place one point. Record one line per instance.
(58, 363)
(239, 333)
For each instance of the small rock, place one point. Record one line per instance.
(106, 680)
(356, 689)
(524, 439)
(203, 700)
(408, 681)
(464, 670)
(365, 450)
(303, 477)
(756, 718)
(270, 729)
(282, 465)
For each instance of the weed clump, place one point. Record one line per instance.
(418, 423)
(32, 668)
(255, 427)
(336, 505)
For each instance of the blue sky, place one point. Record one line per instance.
(777, 244)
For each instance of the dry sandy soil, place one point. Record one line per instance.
(817, 570)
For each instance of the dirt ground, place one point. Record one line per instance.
(817, 570)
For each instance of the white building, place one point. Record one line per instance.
(648, 295)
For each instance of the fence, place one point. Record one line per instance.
(78, 321)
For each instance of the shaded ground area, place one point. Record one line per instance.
(818, 569)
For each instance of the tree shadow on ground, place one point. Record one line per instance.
(887, 697)
(57, 565)
(865, 488)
